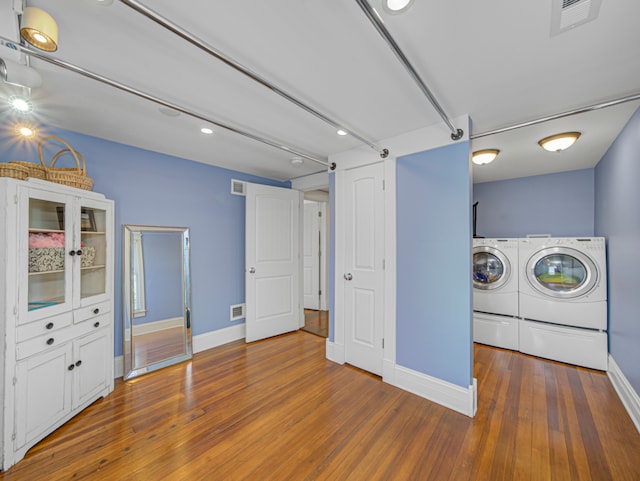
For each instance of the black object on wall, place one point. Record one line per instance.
(475, 220)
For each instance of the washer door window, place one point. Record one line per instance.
(491, 269)
(562, 272)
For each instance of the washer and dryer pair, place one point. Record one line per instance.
(543, 296)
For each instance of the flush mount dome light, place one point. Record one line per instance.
(297, 161)
(396, 6)
(341, 132)
(39, 29)
(482, 157)
(556, 143)
(206, 130)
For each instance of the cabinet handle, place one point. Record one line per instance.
(71, 367)
(72, 253)
(78, 364)
(96, 310)
(97, 324)
(50, 341)
(49, 325)
(79, 252)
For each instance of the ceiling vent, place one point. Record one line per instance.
(568, 14)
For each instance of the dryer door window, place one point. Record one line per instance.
(562, 272)
(491, 268)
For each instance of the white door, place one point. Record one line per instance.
(272, 256)
(311, 255)
(364, 267)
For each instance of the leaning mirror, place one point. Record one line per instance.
(156, 298)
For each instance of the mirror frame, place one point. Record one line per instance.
(129, 370)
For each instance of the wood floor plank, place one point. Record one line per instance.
(278, 410)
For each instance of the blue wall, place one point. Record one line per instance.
(434, 302)
(558, 204)
(162, 254)
(156, 189)
(617, 217)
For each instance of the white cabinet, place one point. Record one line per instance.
(56, 293)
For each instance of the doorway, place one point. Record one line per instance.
(316, 262)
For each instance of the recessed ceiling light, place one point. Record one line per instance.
(483, 157)
(556, 143)
(25, 130)
(104, 3)
(396, 6)
(206, 130)
(341, 132)
(21, 104)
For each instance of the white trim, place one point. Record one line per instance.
(452, 396)
(390, 231)
(627, 394)
(334, 352)
(156, 326)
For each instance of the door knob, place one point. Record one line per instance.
(348, 276)
(252, 270)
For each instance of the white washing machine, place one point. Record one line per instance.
(563, 299)
(495, 276)
(495, 292)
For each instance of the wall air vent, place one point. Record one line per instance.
(238, 187)
(237, 312)
(568, 14)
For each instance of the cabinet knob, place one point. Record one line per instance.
(96, 310)
(72, 253)
(50, 341)
(78, 364)
(96, 324)
(79, 252)
(49, 325)
(71, 367)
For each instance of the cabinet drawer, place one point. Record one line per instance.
(84, 313)
(45, 342)
(90, 325)
(41, 327)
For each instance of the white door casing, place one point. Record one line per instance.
(273, 265)
(364, 267)
(311, 251)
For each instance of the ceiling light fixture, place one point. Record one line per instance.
(556, 143)
(396, 6)
(25, 130)
(206, 130)
(21, 104)
(19, 75)
(297, 161)
(39, 29)
(483, 157)
(341, 132)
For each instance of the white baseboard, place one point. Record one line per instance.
(212, 339)
(334, 352)
(627, 394)
(452, 396)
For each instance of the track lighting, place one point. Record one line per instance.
(21, 104)
(39, 29)
(20, 75)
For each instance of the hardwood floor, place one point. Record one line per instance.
(157, 346)
(316, 322)
(278, 410)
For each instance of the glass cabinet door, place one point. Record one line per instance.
(93, 221)
(47, 265)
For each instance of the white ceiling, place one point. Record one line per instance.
(494, 60)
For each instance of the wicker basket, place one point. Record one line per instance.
(73, 177)
(33, 170)
(9, 169)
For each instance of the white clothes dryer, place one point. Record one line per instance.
(495, 276)
(564, 281)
